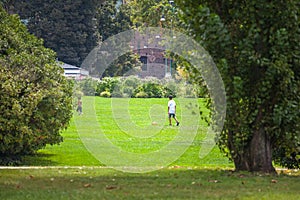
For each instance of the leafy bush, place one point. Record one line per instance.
(107, 84)
(117, 94)
(131, 81)
(168, 92)
(35, 97)
(105, 94)
(141, 95)
(128, 91)
(128, 85)
(153, 90)
(133, 86)
(88, 86)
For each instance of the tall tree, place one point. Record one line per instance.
(256, 47)
(68, 27)
(150, 12)
(35, 97)
(114, 19)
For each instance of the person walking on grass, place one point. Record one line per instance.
(172, 111)
(79, 106)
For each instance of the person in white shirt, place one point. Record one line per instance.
(172, 111)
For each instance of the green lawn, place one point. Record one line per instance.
(172, 183)
(72, 151)
(70, 171)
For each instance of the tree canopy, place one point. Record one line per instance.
(114, 20)
(68, 27)
(74, 28)
(256, 47)
(35, 97)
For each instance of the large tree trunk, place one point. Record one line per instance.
(257, 156)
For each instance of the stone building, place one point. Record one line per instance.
(152, 55)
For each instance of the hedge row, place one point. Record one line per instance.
(135, 87)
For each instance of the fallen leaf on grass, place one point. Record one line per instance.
(154, 123)
(111, 187)
(29, 177)
(274, 181)
(87, 185)
(242, 175)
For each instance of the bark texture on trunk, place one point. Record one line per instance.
(257, 156)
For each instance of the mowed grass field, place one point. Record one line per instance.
(77, 168)
(144, 128)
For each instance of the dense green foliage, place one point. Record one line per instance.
(35, 97)
(68, 27)
(107, 84)
(152, 90)
(87, 86)
(256, 47)
(113, 20)
(149, 13)
(135, 87)
(74, 28)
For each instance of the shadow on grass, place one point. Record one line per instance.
(39, 159)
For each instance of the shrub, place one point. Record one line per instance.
(153, 87)
(154, 90)
(107, 84)
(131, 81)
(105, 94)
(78, 94)
(128, 91)
(88, 86)
(36, 99)
(168, 92)
(141, 95)
(117, 94)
